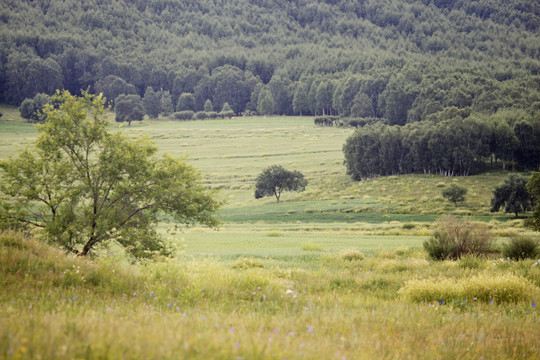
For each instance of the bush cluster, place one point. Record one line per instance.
(454, 238)
(522, 247)
(202, 115)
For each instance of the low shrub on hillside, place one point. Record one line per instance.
(454, 238)
(486, 287)
(522, 247)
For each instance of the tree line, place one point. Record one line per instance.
(392, 59)
(457, 146)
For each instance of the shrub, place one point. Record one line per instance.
(454, 238)
(184, 115)
(201, 115)
(352, 255)
(521, 247)
(211, 115)
(484, 287)
(226, 114)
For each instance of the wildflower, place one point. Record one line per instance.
(533, 304)
(232, 329)
(310, 329)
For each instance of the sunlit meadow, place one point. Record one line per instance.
(336, 272)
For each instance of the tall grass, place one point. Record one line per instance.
(55, 305)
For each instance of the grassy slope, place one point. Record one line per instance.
(231, 153)
(54, 305)
(231, 300)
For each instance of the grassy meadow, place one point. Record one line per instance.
(335, 272)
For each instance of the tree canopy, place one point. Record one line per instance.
(513, 196)
(276, 179)
(534, 188)
(85, 187)
(408, 59)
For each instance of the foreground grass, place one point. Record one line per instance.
(54, 305)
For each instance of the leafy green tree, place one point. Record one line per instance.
(85, 187)
(265, 105)
(226, 107)
(167, 107)
(151, 103)
(528, 148)
(513, 196)
(300, 100)
(32, 109)
(455, 193)
(186, 101)
(505, 142)
(129, 108)
(362, 106)
(324, 97)
(208, 107)
(276, 179)
(113, 86)
(533, 185)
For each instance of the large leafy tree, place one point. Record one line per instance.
(276, 179)
(455, 193)
(513, 196)
(129, 108)
(85, 187)
(151, 103)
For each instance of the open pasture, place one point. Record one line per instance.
(331, 273)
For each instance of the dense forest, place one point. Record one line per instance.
(398, 60)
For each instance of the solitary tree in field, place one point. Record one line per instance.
(275, 179)
(455, 193)
(129, 108)
(513, 196)
(84, 187)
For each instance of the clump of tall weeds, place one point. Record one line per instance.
(454, 238)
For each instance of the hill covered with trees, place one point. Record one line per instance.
(401, 60)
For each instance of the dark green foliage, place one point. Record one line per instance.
(151, 103)
(534, 188)
(32, 109)
(113, 86)
(455, 193)
(184, 115)
(522, 247)
(129, 108)
(208, 106)
(454, 238)
(265, 104)
(412, 59)
(454, 147)
(186, 101)
(513, 196)
(167, 107)
(276, 179)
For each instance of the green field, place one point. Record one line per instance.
(324, 274)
